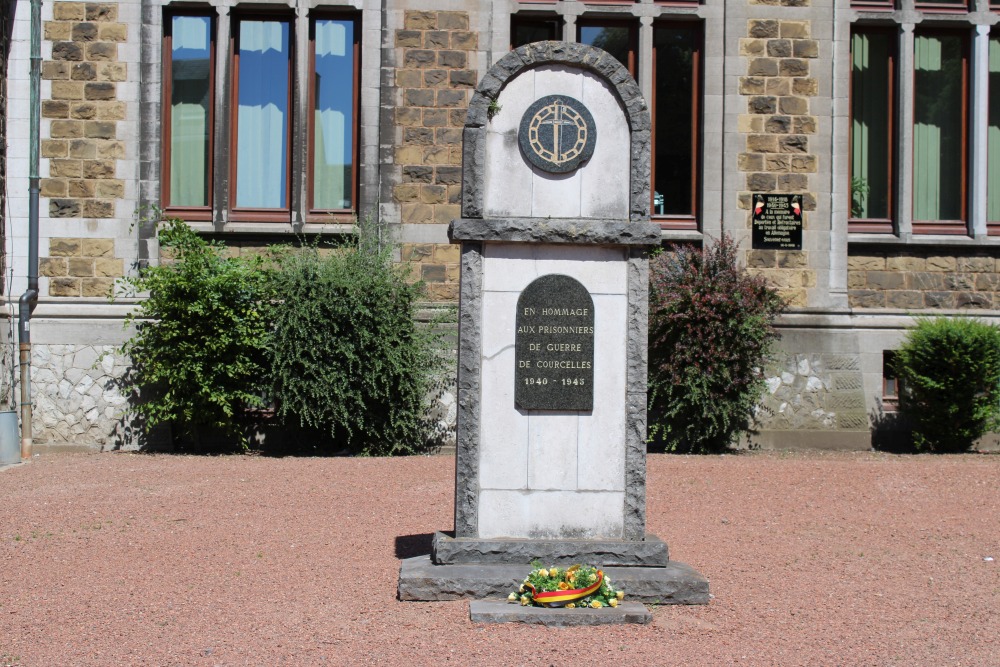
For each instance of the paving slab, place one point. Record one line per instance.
(501, 611)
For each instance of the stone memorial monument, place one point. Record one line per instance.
(551, 450)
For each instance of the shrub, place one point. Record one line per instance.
(346, 354)
(197, 351)
(950, 374)
(710, 333)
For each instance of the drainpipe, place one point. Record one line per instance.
(29, 299)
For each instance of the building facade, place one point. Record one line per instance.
(254, 121)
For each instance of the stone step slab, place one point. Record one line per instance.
(500, 611)
(421, 579)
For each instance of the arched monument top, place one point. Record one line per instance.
(571, 54)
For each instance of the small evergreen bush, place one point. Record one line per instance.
(710, 333)
(950, 374)
(198, 349)
(346, 354)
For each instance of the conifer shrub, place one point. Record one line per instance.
(711, 330)
(198, 348)
(346, 355)
(949, 370)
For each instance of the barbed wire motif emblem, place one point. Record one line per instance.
(557, 134)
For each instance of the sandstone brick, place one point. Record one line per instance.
(435, 118)
(804, 163)
(758, 182)
(866, 263)
(113, 32)
(83, 110)
(98, 168)
(779, 48)
(778, 125)
(418, 135)
(435, 78)
(972, 300)
(777, 85)
(448, 135)
(103, 90)
(409, 78)
(794, 105)
(96, 286)
(454, 194)
(102, 51)
(416, 252)
(64, 208)
(447, 253)
(69, 11)
(437, 155)
(84, 32)
(905, 263)
(111, 110)
(762, 67)
(84, 72)
(762, 105)
(762, 259)
(416, 213)
(462, 78)
(743, 201)
(64, 286)
(456, 117)
(110, 149)
(942, 263)
(805, 86)
(448, 175)
(453, 21)
(794, 29)
(793, 144)
(97, 129)
(67, 90)
(83, 149)
(762, 28)
(464, 40)
(804, 125)
(752, 47)
(762, 143)
(407, 116)
(453, 273)
(97, 247)
(987, 282)
(793, 67)
(112, 71)
(406, 192)
(65, 247)
(777, 162)
(866, 299)
(452, 59)
(52, 266)
(52, 187)
(55, 31)
(102, 12)
(98, 208)
(805, 48)
(433, 194)
(959, 281)
(416, 174)
(81, 267)
(54, 148)
(856, 279)
(752, 85)
(976, 264)
(445, 213)
(437, 39)
(750, 162)
(55, 109)
(419, 58)
(414, 20)
(67, 51)
(451, 98)
(65, 168)
(925, 280)
(418, 97)
(442, 292)
(939, 299)
(885, 280)
(749, 124)
(409, 38)
(110, 188)
(55, 69)
(792, 182)
(108, 267)
(81, 189)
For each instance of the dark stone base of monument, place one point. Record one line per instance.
(651, 552)
(496, 611)
(421, 579)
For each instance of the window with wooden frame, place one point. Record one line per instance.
(993, 139)
(528, 28)
(940, 131)
(943, 6)
(873, 118)
(618, 37)
(891, 383)
(873, 5)
(676, 112)
(188, 114)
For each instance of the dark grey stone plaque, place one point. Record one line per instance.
(554, 346)
(777, 222)
(557, 133)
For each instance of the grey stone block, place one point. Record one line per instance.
(650, 552)
(498, 611)
(555, 230)
(420, 579)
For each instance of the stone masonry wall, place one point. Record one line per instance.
(814, 392)
(778, 125)
(434, 81)
(930, 279)
(83, 144)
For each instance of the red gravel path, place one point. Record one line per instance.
(814, 559)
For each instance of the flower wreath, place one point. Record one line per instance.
(574, 587)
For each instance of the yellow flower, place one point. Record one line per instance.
(571, 606)
(596, 604)
(521, 589)
(592, 578)
(525, 600)
(554, 572)
(621, 595)
(543, 572)
(613, 602)
(563, 586)
(512, 597)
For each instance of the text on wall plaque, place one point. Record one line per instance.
(554, 346)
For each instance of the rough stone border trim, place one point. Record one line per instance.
(649, 552)
(555, 230)
(637, 349)
(470, 338)
(582, 56)
(501, 611)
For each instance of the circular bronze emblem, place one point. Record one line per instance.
(557, 133)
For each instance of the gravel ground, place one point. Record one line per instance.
(814, 559)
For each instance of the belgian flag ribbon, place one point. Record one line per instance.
(560, 598)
